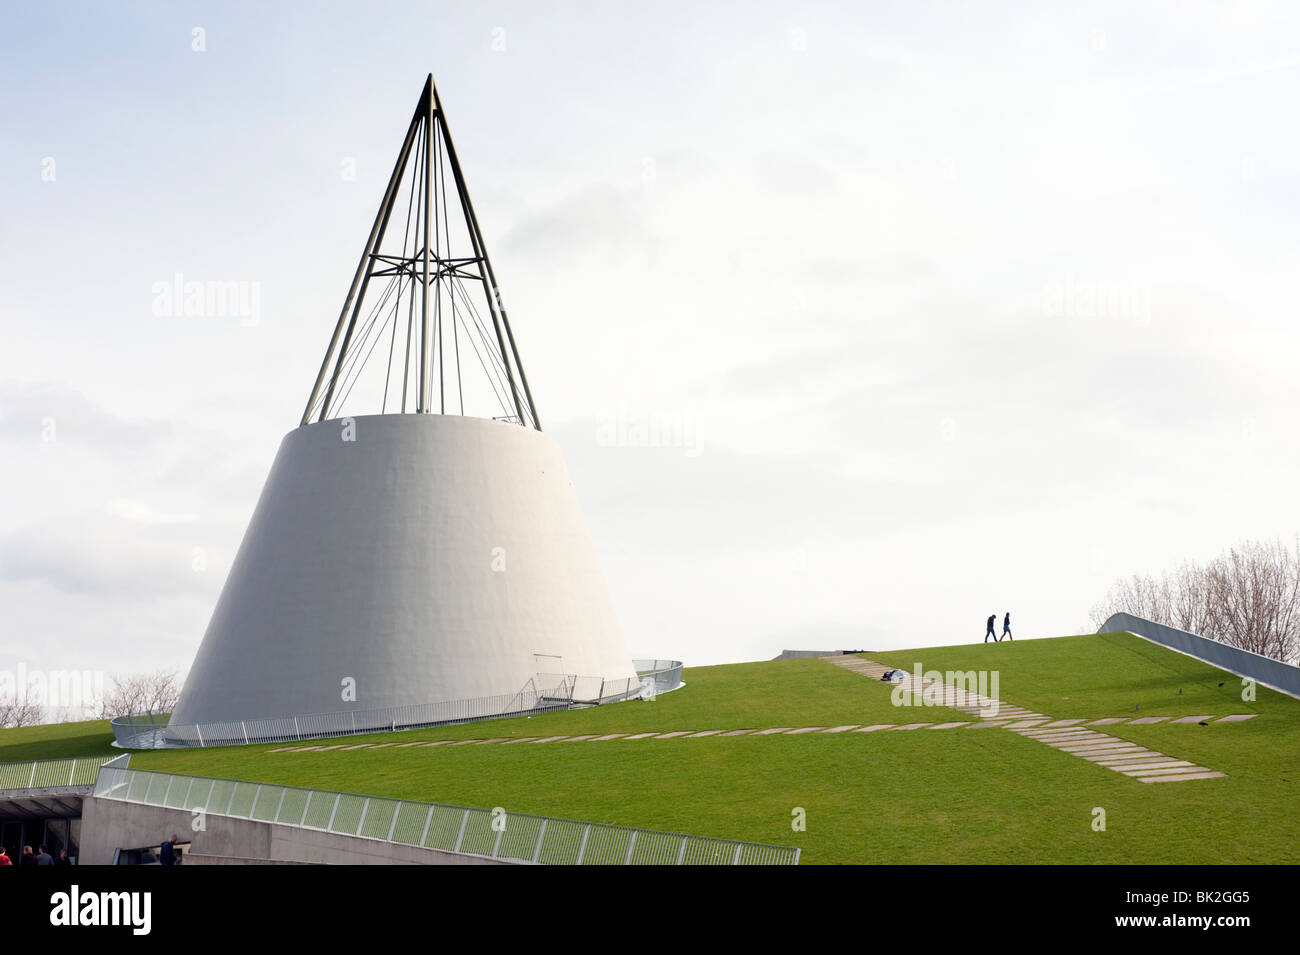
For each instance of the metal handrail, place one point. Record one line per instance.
(547, 693)
(48, 775)
(494, 833)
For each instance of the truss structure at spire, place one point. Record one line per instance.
(423, 329)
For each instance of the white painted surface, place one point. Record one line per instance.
(373, 559)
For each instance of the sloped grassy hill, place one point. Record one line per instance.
(921, 796)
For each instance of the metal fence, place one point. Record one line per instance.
(548, 693)
(52, 774)
(667, 674)
(493, 833)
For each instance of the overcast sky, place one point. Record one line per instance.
(942, 309)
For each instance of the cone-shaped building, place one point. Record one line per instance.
(427, 562)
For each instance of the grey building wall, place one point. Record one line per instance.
(108, 824)
(379, 559)
(1283, 677)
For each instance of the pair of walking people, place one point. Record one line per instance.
(1006, 628)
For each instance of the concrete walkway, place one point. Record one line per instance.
(1030, 728)
(1068, 735)
(1122, 756)
(972, 704)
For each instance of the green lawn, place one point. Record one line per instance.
(1099, 675)
(923, 796)
(57, 741)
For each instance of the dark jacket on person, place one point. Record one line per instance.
(167, 854)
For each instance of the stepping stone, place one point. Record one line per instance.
(1194, 719)
(1023, 724)
(380, 745)
(521, 739)
(698, 735)
(983, 724)
(1091, 743)
(612, 736)
(342, 745)
(459, 742)
(1148, 719)
(1137, 769)
(1094, 747)
(420, 742)
(1236, 718)
(948, 726)
(1108, 721)
(499, 739)
(1177, 779)
(1086, 741)
(1063, 723)
(1172, 771)
(550, 739)
(368, 745)
(641, 736)
(840, 729)
(1114, 759)
(578, 739)
(778, 729)
(670, 735)
(735, 733)
(284, 749)
(437, 742)
(877, 726)
(1059, 734)
(806, 729)
(1113, 751)
(911, 726)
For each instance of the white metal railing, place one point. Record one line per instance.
(53, 774)
(494, 833)
(547, 693)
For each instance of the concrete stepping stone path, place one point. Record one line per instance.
(1073, 736)
(1122, 756)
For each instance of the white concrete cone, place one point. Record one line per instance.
(430, 558)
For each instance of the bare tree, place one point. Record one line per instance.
(18, 712)
(1248, 597)
(140, 693)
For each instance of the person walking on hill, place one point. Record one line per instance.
(1006, 625)
(990, 632)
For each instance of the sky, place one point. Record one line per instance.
(856, 323)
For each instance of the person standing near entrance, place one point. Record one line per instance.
(990, 632)
(1006, 625)
(167, 851)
